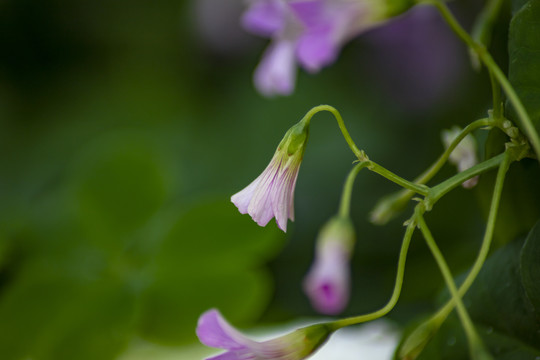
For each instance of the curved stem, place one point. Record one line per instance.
(345, 205)
(307, 118)
(443, 188)
(486, 242)
(472, 336)
(488, 61)
(400, 198)
(338, 324)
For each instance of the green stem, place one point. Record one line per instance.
(488, 61)
(496, 95)
(486, 242)
(483, 26)
(338, 324)
(434, 169)
(307, 118)
(400, 199)
(470, 331)
(420, 189)
(345, 205)
(443, 188)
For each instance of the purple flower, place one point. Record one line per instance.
(464, 155)
(308, 32)
(328, 281)
(271, 194)
(214, 331)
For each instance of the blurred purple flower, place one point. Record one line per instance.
(328, 281)
(214, 331)
(272, 193)
(416, 60)
(310, 32)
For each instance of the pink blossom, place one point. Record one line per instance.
(308, 32)
(213, 330)
(271, 194)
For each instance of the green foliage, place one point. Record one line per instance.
(524, 57)
(521, 187)
(503, 304)
(197, 268)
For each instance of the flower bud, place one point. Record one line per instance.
(328, 281)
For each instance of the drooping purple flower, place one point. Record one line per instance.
(272, 193)
(308, 32)
(464, 155)
(214, 331)
(328, 281)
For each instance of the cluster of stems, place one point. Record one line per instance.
(516, 148)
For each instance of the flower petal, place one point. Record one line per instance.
(242, 198)
(260, 207)
(265, 17)
(282, 196)
(213, 330)
(229, 355)
(276, 73)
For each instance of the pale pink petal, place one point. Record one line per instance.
(276, 73)
(213, 330)
(260, 207)
(242, 198)
(283, 196)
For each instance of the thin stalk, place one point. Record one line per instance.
(307, 118)
(420, 189)
(488, 61)
(401, 197)
(486, 242)
(338, 324)
(443, 188)
(472, 336)
(345, 205)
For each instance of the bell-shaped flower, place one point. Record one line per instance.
(327, 283)
(464, 155)
(309, 32)
(214, 331)
(271, 194)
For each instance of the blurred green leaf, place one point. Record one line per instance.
(47, 316)
(119, 184)
(212, 257)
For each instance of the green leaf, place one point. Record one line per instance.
(524, 56)
(503, 303)
(47, 316)
(118, 185)
(530, 268)
(212, 257)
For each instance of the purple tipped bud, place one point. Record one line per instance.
(328, 281)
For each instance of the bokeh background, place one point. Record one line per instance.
(125, 127)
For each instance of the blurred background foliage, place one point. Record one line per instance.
(125, 126)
